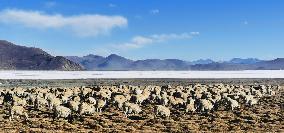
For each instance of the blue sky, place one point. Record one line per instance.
(183, 29)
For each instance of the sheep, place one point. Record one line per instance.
(270, 92)
(138, 99)
(86, 109)
(19, 111)
(119, 100)
(91, 100)
(39, 102)
(62, 112)
(164, 100)
(253, 102)
(205, 105)
(129, 108)
(190, 106)
(68, 93)
(100, 104)
(162, 111)
(153, 98)
(1, 100)
(77, 98)
(157, 90)
(232, 103)
(138, 91)
(198, 95)
(76, 91)
(250, 100)
(85, 91)
(19, 92)
(19, 101)
(64, 99)
(31, 99)
(258, 93)
(54, 102)
(74, 105)
(176, 102)
(105, 94)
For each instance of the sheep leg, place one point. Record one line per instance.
(26, 116)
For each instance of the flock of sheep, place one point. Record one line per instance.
(79, 101)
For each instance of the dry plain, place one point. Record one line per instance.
(266, 116)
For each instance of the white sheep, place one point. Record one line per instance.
(119, 100)
(19, 101)
(1, 100)
(53, 102)
(77, 98)
(162, 110)
(100, 104)
(164, 100)
(62, 112)
(131, 108)
(190, 106)
(205, 105)
(250, 100)
(64, 99)
(232, 103)
(138, 91)
(40, 102)
(91, 100)
(19, 111)
(74, 105)
(138, 99)
(86, 109)
(176, 101)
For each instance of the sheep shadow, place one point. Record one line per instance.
(135, 117)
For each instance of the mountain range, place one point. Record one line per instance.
(116, 62)
(15, 57)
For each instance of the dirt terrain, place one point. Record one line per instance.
(267, 116)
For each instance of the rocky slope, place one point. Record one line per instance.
(15, 57)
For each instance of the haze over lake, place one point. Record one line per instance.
(140, 74)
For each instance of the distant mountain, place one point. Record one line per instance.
(156, 64)
(276, 64)
(221, 66)
(116, 62)
(14, 57)
(202, 61)
(89, 62)
(244, 61)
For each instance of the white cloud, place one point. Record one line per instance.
(141, 41)
(137, 42)
(82, 25)
(155, 11)
(166, 37)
